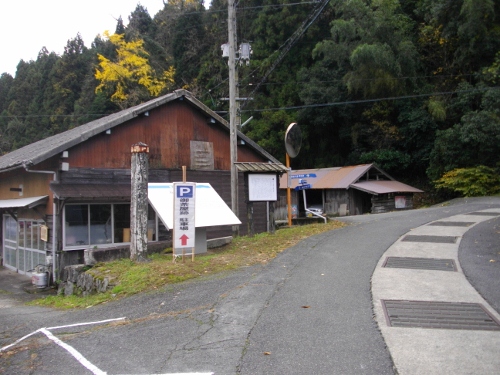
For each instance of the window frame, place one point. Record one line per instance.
(112, 231)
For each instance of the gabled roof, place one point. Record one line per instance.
(384, 187)
(328, 178)
(44, 149)
(364, 177)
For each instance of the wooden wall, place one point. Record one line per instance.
(333, 199)
(168, 131)
(33, 185)
(386, 203)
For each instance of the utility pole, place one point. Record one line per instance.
(232, 108)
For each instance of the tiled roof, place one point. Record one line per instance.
(90, 191)
(261, 167)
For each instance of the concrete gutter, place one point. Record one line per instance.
(434, 350)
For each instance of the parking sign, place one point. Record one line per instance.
(184, 219)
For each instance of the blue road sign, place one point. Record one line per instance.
(306, 175)
(303, 187)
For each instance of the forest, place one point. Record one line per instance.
(411, 85)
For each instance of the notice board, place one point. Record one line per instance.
(262, 187)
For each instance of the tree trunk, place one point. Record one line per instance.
(139, 203)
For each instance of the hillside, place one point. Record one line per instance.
(410, 85)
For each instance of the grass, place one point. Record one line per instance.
(127, 277)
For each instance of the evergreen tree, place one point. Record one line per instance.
(67, 79)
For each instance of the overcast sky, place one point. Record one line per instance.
(28, 25)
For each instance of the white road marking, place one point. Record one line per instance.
(18, 341)
(79, 357)
(75, 353)
(85, 324)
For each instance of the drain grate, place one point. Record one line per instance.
(436, 239)
(484, 213)
(420, 263)
(453, 223)
(442, 315)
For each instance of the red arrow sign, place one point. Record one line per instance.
(184, 239)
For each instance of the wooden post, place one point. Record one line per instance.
(271, 219)
(288, 192)
(139, 203)
(250, 224)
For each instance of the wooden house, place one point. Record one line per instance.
(71, 192)
(340, 191)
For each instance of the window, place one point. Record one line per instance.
(122, 221)
(23, 249)
(101, 224)
(76, 222)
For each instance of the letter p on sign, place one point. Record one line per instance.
(184, 191)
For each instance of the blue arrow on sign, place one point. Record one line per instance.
(306, 175)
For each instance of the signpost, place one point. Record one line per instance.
(184, 218)
(293, 142)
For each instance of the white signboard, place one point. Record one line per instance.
(211, 210)
(262, 187)
(400, 201)
(184, 215)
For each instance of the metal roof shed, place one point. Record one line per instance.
(351, 190)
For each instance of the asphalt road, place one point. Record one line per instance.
(309, 311)
(479, 256)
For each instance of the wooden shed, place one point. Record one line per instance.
(71, 192)
(340, 191)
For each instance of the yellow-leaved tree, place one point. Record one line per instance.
(130, 79)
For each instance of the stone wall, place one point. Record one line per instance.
(75, 281)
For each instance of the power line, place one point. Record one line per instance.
(369, 100)
(295, 107)
(373, 79)
(292, 40)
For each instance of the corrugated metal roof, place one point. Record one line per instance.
(327, 178)
(347, 177)
(23, 202)
(37, 152)
(261, 167)
(385, 187)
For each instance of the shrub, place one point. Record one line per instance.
(471, 182)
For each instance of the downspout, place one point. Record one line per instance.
(54, 224)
